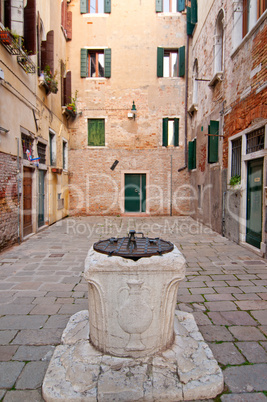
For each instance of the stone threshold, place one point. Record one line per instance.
(78, 372)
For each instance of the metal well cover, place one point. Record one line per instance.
(133, 247)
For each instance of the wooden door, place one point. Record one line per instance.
(27, 201)
(41, 198)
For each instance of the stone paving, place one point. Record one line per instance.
(42, 286)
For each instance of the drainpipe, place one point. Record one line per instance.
(18, 189)
(186, 105)
(171, 190)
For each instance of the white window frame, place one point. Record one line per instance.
(53, 151)
(65, 154)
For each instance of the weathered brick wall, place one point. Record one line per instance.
(8, 200)
(250, 102)
(96, 189)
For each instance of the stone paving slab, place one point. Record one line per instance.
(214, 265)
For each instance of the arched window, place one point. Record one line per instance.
(218, 45)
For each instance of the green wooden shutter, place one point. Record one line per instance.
(189, 25)
(160, 56)
(194, 162)
(107, 6)
(190, 155)
(176, 132)
(165, 132)
(107, 54)
(180, 5)
(159, 6)
(181, 61)
(84, 6)
(96, 132)
(84, 63)
(213, 142)
(193, 11)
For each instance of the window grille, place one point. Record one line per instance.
(255, 140)
(27, 145)
(236, 157)
(41, 148)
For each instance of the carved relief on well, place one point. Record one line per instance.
(134, 314)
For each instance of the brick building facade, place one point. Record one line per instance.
(228, 128)
(137, 100)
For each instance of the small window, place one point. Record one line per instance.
(171, 62)
(41, 149)
(170, 132)
(27, 146)
(52, 145)
(170, 66)
(96, 64)
(96, 132)
(236, 157)
(255, 140)
(65, 155)
(95, 6)
(170, 6)
(252, 10)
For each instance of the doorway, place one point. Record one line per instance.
(41, 197)
(27, 201)
(254, 202)
(135, 193)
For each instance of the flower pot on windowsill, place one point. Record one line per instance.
(6, 37)
(70, 111)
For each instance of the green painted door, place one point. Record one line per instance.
(135, 193)
(254, 203)
(41, 198)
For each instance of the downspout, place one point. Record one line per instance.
(18, 189)
(186, 105)
(171, 190)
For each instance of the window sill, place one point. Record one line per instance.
(169, 14)
(96, 146)
(217, 78)
(250, 33)
(96, 78)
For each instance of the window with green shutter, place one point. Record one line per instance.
(182, 61)
(189, 26)
(194, 11)
(170, 62)
(95, 63)
(96, 132)
(170, 132)
(213, 142)
(192, 150)
(95, 6)
(181, 5)
(159, 6)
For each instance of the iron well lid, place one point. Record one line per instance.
(133, 247)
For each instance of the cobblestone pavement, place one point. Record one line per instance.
(42, 286)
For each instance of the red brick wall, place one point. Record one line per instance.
(246, 111)
(8, 200)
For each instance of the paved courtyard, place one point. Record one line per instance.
(42, 286)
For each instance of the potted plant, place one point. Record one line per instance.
(235, 180)
(71, 107)
(6, 37)
(48, 80)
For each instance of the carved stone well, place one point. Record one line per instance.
(131, 344)
(132, 303)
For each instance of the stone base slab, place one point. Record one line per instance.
(78, 372)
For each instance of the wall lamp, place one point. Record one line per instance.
(132, 113)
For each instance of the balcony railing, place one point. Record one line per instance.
(13, 46)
